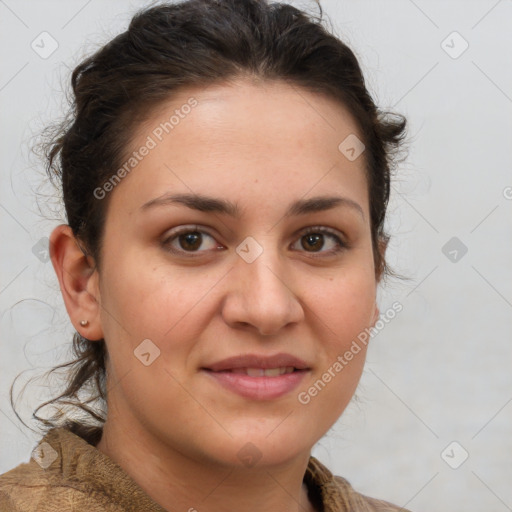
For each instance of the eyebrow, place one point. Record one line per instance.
(211, 204)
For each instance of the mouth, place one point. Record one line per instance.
(276, 364)
(261, 372)
(258, 377)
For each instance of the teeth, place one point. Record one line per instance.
(266, 372)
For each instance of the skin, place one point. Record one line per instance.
(175, 431)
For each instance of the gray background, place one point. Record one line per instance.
(441, 370)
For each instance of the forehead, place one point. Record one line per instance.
(268, 140)
(269, 108)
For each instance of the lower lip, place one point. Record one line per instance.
(258, 388)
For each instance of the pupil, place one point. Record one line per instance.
(313, 239)
(192, 240)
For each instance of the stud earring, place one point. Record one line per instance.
(83, 323)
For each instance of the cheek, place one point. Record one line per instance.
(344, 311)
(346, 305)
(141, 300)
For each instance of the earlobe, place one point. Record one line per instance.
(78, 280)
(383, 245)
(376, 314)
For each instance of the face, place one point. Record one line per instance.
(255, 275)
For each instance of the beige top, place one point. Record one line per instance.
(73, 475)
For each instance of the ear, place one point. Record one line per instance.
(382, 246)
(78, 280)
(376, 314)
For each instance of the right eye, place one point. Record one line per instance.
(188, 240)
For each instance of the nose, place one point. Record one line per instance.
(261, 296)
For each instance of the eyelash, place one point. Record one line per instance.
(340, 244)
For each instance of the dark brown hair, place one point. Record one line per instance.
(173, 46)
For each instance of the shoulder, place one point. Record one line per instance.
(48, 481)
(337, 495)
(24, 488)
(366, 503)
(67, 472)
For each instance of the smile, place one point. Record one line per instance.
(263, 372)
(258, 383)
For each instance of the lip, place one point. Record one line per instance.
(258, 388)
(258, 361)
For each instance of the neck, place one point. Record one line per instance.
(179, 482)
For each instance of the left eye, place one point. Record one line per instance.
(190, 240)
(315, 238)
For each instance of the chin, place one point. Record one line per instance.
(257, 446)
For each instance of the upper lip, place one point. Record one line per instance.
(258, 361)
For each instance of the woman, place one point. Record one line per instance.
(225, 175)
